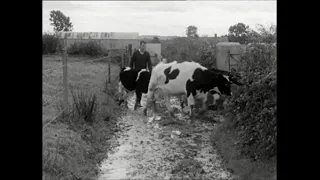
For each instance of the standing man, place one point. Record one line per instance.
(140, 59)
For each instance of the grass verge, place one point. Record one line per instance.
(77, 141)
(225, 140)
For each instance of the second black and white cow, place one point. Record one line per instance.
(186, 78)
(233, 78)
(133, 80)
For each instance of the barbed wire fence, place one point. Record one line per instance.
(63, 93)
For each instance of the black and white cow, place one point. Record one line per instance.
(186, 78)
(133, 80)
(232, 78)
(215, 93)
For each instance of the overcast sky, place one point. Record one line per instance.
(165, 18)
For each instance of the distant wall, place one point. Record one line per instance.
(107, 40)
(108, 44)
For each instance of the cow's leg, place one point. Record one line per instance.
(204, 104)
(168, 104)
(216, 97)
(182, 100)
(191, 103)
(138, 100)
(125, 99)
(150, 98)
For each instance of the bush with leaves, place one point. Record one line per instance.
(90, 48)
(50, 43)
(255, 108)
(189, 49)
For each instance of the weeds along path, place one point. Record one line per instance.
(161, 149)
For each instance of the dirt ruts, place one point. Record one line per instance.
(159, 148)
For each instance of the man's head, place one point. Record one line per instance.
(142, 45)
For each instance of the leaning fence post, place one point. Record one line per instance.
(109, 74)
(129, 57)
(122, 60)
(65, 71)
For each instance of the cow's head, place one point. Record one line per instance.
(232, 76)
(234, 79)
(224, 85)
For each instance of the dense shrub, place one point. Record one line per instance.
(189, 49)
(90, 48)
(50, 43)
(255, 108)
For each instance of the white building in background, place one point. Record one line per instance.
(107, 40)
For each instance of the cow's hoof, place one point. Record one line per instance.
(171, 113)
(155, 109)
(191, 116)
(213, 107)
(186, 113)
(202, 113)
(145, 112)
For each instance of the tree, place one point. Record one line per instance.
(268, 35)
(253, 36)
(192, 31)
(60, 22)
(238, 33)
(155, 40)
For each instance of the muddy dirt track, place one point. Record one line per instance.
(158, 148)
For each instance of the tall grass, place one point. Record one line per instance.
(85, 105)
(78, 141)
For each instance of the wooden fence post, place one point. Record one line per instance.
(129, 57)
(65, 71)
(109, 73)
(122, 61)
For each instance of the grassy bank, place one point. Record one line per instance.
(225, 139)
(78, 140)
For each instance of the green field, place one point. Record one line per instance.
(82, 75)
(66, 144)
